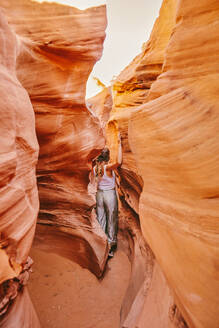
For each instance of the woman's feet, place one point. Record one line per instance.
(112, 250)
(111, 253)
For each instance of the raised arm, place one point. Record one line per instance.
(118, 162)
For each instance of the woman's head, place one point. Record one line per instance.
(100, 159)
(104, 156)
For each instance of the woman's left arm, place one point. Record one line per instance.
(92, 176)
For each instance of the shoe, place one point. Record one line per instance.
(111, 253)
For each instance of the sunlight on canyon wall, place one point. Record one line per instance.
(169, 130)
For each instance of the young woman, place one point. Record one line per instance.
(106, 197)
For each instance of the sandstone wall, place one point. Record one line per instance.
(61, 45)
(164, 107)
(101, 105)
(175, 141)
(18, 191)
(170, 143)
(130, 89)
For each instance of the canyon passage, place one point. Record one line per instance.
(163, 107)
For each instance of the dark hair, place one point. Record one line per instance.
(103, 157)
(100, 159)
(105, 154)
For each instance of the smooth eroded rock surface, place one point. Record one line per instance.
(130, 89)
(101, 105)
(165, 109)
(18, 191)
(61, 45)
(174, 138)
(170, 147)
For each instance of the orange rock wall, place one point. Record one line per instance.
(19, 151)
(130, 89)
(18, 191)
(175, 141)
(101, 105)
(61, 45)
(170, 143)
(170, 148)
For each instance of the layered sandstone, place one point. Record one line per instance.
(170, 143)
(177, 131)
(168, 179)
(61, 45)
(130, 89)
(18, 190)
(101, 105)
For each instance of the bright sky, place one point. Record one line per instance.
(81, 4)
(129, 26)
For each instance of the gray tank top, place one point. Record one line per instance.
(106, 182)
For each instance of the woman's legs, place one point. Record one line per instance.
(111, 206)
(101, 214)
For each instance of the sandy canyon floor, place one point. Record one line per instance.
(68, 296)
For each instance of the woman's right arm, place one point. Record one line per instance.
(118, 162)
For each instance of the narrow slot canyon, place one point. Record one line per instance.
(160, 112)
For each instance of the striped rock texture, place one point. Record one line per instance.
(19, 201)
(165, 107)
(61, 45)
(47, 53)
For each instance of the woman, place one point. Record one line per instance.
(106, 197)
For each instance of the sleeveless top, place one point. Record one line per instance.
(106, 182)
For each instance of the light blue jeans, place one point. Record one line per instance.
(107, 213)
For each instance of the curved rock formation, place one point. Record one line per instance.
(164, 107)
(130, 89)
(101, 105)
(170, 144)
(61, 45)
(19, 196)
(175, 140)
